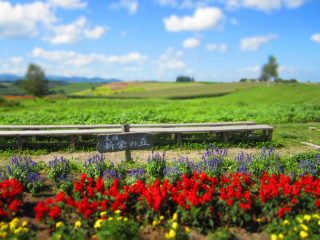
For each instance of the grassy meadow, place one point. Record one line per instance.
(291, 108)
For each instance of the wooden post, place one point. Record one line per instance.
(72, 142)
(269, 135)
(225, 137)
(179, 138)
(127, 153)
(20, 142)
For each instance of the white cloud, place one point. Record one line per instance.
(79, 59)
(316, 37)
(68, 4)
(216, 47)
(171, 60)
(191, 43)
(202, 19)
(131, 5)
(171, 3)
(16, 60)
(184, 3)
(264, 5)
(254, 43)
(75, 31)
(23, 20)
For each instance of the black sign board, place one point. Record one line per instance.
(124, 141)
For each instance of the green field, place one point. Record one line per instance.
(292, 108)
(168, 90)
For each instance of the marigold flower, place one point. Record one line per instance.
(3, 226)
(24, 223)
(103, 214)
(175, 217)
(175, 225)
(110, 219)
(125, 219)
(78, 224)
(305, 227)
(188, 230)
(119, 218)
(307, 217)
(303, 234)
(117, 211)
(98, 223)
(285, 222)
(281, 236)
(13, 224)
(162, 218)
(3, 235)
(59, 224)
(171, 234)
(155, 223)
(274, 237)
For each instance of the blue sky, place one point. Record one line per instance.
(217, 40)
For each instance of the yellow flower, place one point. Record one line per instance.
(299, 219)
(24, 229)
(119, 218)
(175, 217)
(281, 236)
(13, 223)
(3, 235)
(162, 218)
(318, 222)
(59, 224)
(305, 227)
(77, 224)
(17, 231)
(125, 219)
(98, 223)
(259, 220)
(307, 217)
(285, 222)
(117, 211)
(274, 237)
(3, 226)
(317, 216)
(155, 222)
(110, 219)
(295, 229)
(303, 234)
(188, 230)
(175, 225)
(103, 214)
(25, 223)
(172, 233)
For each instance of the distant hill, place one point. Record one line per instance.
(12, 77)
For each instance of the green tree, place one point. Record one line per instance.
(35, 81)
(184, 79)
(270, 70)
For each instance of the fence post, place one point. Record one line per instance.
(127, 154)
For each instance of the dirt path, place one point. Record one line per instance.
(142, 156)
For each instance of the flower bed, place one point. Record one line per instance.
(175, 200)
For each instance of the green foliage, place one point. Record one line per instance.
(184, 79)
(120, 229)
(156, 166)
(298, 227)
(35, 81)
(27, 172)
(221, 234)
(60, 172)
(270, 70)
(69, 232)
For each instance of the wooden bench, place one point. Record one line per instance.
(118, 126)
(177, 131)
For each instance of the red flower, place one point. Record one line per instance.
(15, 205)
(55, 212)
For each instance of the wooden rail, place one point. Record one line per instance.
(107, 126)
(177, 131)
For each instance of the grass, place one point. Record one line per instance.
(163, 90)
(72, 88)
(291, 108)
